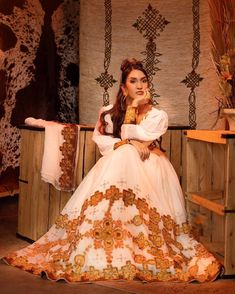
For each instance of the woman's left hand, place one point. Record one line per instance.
(143, 150)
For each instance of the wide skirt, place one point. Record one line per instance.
(126, 220)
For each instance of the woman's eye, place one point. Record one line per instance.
(144, 81)
(132, 81)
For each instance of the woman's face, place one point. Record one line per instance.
(136, 84)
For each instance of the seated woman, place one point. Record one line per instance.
(127, 218)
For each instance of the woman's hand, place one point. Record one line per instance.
(142, 99)
(143, 150)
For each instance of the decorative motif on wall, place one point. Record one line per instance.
(105, 79)
(193, 79)
(151, 24)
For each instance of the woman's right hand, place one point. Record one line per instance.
(142, 99)
(143, 150)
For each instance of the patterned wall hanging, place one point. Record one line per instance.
(193, 79)
(65, 25)
(19, 43)
(105, 79)
(150, 25)
(38, 68)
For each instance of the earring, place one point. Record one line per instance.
(124, 94)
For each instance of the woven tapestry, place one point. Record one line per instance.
(168, 51)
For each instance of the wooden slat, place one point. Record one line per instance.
(166, 143)
(230, 204)
(33, 203)
(184, 162)
(192, 167)
(218, 225)
(25, 200)
(195, 218)
(24, 217)
(89, 156)
(210, 195)
(25, 149)
(65, 196)
(229, 258)
(39, 196)
(205, 183)
(218, 168)
(217, 248)
(208, 204)
(176, 152)
(79, 171)
(214, 136)
(54, 205)
(204, 152)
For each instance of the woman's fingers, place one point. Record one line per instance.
(143, 151)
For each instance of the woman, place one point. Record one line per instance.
(127, 219)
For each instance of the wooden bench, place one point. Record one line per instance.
(39, 202)
(209, 184)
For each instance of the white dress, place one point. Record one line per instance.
(126, 220)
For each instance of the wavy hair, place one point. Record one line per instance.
(118, 110)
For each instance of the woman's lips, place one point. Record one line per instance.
(140, 92)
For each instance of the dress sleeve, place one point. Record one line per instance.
(151, 128)
(105, 143)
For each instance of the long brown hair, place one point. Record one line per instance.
(118, 110)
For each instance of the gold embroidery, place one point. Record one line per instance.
(167, 222)
(137, 220)
(154, 227)
(108, 234)
(139, 258)
(68, 150)
(61, 221)
(141, 241)
(96, 198)
(201, 251)
(130, 116)
(92, 274)
(113, 193)
(128, 197)
(154, 216)
(129, 271)
(158, 238)
(111, 272)
(142, 205)
(146, 274)
(120, 143)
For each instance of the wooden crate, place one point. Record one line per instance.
(39, 202)
(209, 184)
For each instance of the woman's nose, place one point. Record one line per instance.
(139, 85)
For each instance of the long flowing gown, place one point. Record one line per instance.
(126, 220)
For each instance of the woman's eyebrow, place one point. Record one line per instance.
(134, 78)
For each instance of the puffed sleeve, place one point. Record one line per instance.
(149, 129)
(105, 143)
